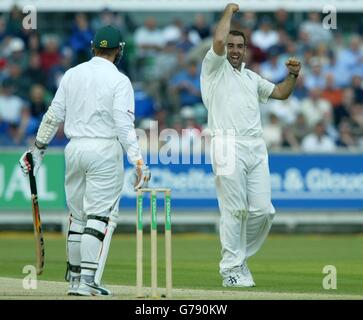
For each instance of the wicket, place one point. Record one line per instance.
(153, 239)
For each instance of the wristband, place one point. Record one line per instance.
(294, 74)
(39, 145)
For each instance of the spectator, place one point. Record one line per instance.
(19, 83)
(346, 138)
(146, 126)
(318, 141)
(264, 37)
(191, 142)
(351, 59)
(300, 128)
(165, 64)
(172, 32)
(272, 133)
(273, 69)
(16, 53)
(338, 70)
(57, 71)
(34, 43)
(14, 112)
(289, 140)
(357, 88)
(162, 58)
(184, 44)
(360, 27)
(201, 27)
(303, 43)
(144, 103)
(284, 39)
(14, 24)
(323, 54)
(290, 51)
(149, 41)
(356, 117)
(315, 79)
(331, 93)
(249, 20)
(3, 32)
(148, 38)
(177, 141)
(106, 18)
(315, 31)
(50, 55)
(81, 37)
(185, 87)
(38, 102)
(285, 110)
(161, 117)
(282, 22)
(254, 54)
(34, 73)
(315, 108)
(300, 92)
(342, 110)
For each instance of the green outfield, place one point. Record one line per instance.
(286, 263)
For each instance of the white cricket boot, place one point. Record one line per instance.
(73, 285)
(91, 289)
(237, 279)
(247, 273)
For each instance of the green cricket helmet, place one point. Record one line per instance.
(109, 37)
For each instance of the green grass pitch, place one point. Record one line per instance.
(286, 263)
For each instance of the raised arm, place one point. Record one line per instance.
(283, 90)
(223, 27)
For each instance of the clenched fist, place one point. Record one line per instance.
(233, 7)
(293, 65)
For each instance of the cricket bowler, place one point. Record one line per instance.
(96, 103)
(232, 95)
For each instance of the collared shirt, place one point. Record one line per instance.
(232, 97)
(95, 100)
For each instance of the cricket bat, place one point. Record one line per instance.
(38, 234)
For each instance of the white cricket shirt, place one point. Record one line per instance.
(95, 100)
(232, 97)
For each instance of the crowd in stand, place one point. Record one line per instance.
(324, 113)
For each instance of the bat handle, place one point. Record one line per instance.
(33, 186)
(29, 158)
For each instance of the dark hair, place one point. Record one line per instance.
(238, 33)
(108, 52)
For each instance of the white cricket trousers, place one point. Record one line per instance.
(94, 176)
(242, 179)
(93, 185)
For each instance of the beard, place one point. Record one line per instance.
(235, 62)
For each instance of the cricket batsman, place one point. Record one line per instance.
(96, 103)
(231, 94)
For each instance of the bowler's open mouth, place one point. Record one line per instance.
(235, 57)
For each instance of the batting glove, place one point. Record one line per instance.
(38, 155)
(142, 175)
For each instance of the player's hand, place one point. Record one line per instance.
(38, 155)
(233, 7)
(142, 175)
(293, 65)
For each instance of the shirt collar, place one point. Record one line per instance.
(101, 60)
(236, 70)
